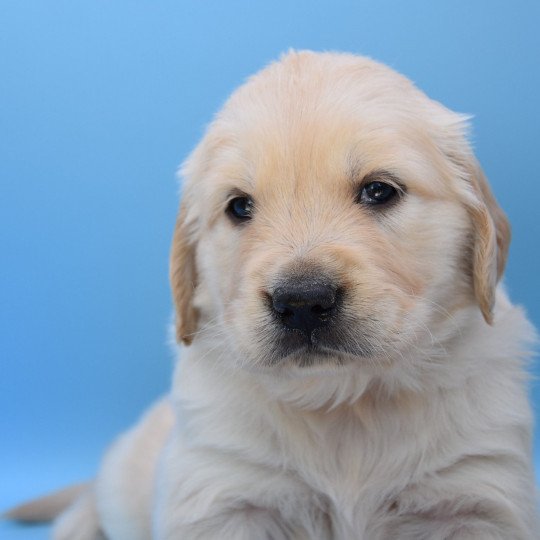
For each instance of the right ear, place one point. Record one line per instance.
(183, 278)
(491, 240)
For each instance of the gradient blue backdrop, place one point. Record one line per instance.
(99, 103)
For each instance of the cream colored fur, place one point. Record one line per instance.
(427, 437)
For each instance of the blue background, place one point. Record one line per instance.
(99, 103)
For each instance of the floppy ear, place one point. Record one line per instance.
(183, 277)
(491, 241)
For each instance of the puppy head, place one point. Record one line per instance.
(332, 214)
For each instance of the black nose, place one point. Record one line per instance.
(305, 306)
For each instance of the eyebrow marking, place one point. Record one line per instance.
(237, 192)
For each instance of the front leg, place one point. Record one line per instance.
(477, 498)
(209, 495)
(453, 527)
(244, 523)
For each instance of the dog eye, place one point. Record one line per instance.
(377, 193)
(240, 208)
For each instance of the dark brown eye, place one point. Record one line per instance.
(240, 208)
(377, 193)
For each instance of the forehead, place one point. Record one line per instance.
(310, 122)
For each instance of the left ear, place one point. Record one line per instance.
(183, 278)
(491, 240)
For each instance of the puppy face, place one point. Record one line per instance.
(332, 214)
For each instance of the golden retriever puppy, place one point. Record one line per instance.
(350, 367)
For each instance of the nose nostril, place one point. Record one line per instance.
(282, 309)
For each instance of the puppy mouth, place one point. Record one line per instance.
(322, 345)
